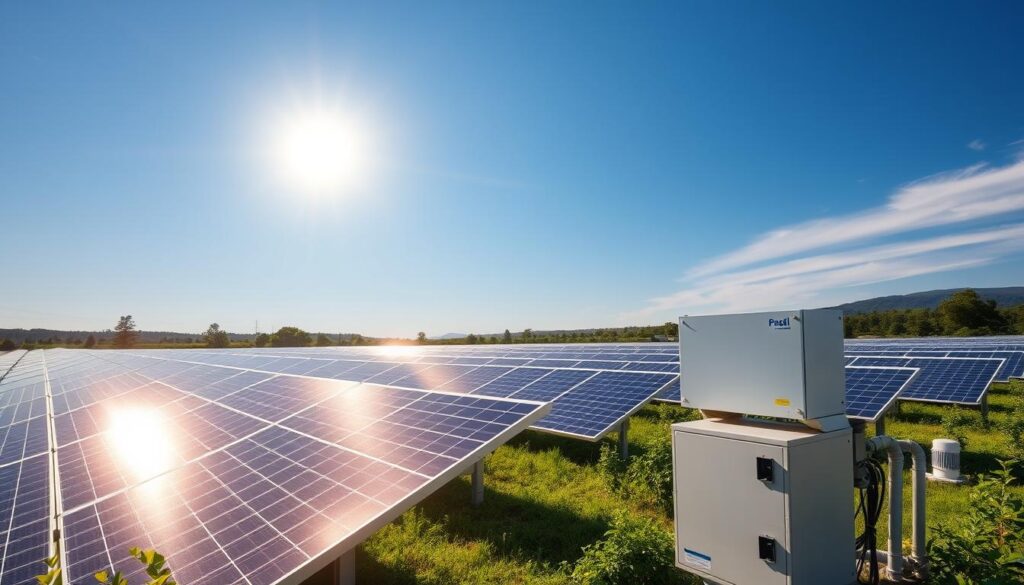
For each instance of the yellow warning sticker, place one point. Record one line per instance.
(782, 402)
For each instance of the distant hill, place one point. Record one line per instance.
(448, 336)
(1004, 297)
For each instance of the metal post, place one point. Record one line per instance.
(478, 483)
(984, 407)
(624, 439)
(880, 427)
(343, 569)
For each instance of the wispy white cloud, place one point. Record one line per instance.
(976, 144)
(816, 263)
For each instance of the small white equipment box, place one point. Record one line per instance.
(763, 503)
(784, 364)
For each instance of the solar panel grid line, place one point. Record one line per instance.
(56, 516)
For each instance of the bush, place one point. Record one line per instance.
(633, 550)
(955, 423)
(646, 477)
(1013, 424)
(986, 545)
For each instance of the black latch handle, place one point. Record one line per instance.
(765, 469)
(766, 548)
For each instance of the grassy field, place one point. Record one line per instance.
(546, 499)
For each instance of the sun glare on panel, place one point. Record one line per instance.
(140, 441)
(320, 151)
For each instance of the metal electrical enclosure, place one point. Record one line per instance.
(785, 364)
(763, 504)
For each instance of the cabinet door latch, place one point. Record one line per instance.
(766, 548)
(765, 469)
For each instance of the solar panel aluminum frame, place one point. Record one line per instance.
(895, 396)
(315, 564)
(982, 398)
(614, 426)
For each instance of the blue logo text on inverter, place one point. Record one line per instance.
(778, 323)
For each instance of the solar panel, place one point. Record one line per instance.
(950, 380)
(594, 407)
(238, 476)
(870, 391)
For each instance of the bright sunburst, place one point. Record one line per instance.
(320, 151)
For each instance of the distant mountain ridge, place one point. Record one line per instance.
(1005, 297)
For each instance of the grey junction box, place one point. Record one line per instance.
(784, 364)
(763, 503)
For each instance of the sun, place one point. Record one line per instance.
(320, 151)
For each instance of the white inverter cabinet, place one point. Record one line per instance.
(784, 364)
(763, 503)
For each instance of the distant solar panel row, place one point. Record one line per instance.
(587, 403)
(238, 476)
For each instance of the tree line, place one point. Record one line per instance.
(962, 314)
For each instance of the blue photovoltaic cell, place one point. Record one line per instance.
(597, 405)
(871, 391)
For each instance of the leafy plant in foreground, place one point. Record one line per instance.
(155, 563)
(633, 550)
(985, 546)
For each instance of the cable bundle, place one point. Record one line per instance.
(872, 498)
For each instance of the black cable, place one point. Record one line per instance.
(870, 505)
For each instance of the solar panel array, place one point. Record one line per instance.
(237, 476)
(592, 388)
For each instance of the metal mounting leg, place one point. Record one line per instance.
(984, 407)
(880, 427)
(624, 439)
(478, 483)
(343, 570)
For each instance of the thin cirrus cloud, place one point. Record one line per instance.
(811, 263)
(976, 144)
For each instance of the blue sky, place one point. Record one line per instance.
(534, 165)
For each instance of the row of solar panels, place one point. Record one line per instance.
(870, 390)
(238, 476)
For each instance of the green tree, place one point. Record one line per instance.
(8, 345)
(966, 313)
(506, 337)
(472, 339)
(290, 337)
(421, 337)
(322, 340)
(262, 340)
(125, 334)
(215, 337)
(90, 342)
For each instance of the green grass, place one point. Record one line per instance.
(546, 499)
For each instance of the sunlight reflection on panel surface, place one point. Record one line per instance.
(140, 442)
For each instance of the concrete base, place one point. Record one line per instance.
(958, 481)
